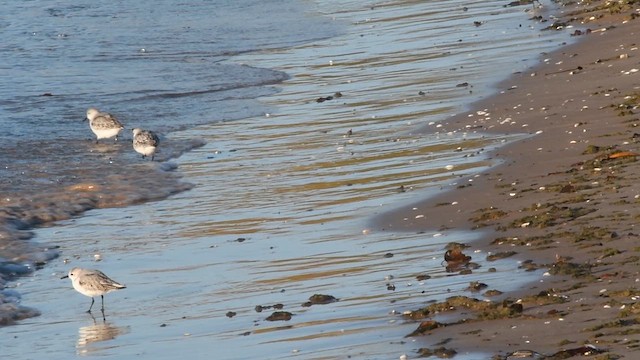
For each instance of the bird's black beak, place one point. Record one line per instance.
(64, 277)
(85, 119)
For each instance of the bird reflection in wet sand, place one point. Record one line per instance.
(97, 332)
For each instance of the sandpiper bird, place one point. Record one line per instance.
(145, 142)
(104, 125)
(92, 283)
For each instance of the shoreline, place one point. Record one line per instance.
(560, 199)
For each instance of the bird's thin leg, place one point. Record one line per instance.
(92, 300)
(103, 317)
(153, 156)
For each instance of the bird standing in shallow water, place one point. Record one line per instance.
(92, 283)
(145, 142)
(103, 125)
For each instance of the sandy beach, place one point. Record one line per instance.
(563, 199)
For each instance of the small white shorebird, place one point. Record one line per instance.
(104, 125)
(145, 142)
(92, 283)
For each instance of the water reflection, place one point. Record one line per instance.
(98, 331)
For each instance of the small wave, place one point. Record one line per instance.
(101, 184)
(11, 311)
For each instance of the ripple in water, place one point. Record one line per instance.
(154, 64)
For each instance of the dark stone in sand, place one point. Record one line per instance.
(456, 245)
(568, 189)
(592, 149)
(581, 351)
(558, 25)
(525, 354)
(423, 277)
(320, 299)
(231, 314)
(388, 255)
(457, 261)
(500, 255)
(326, 98)
(457, 256)
(426, 326)
(440, 352)
(280, 316)
(477, 286)
(417, 314)
(260, 308)
(568, 268)
(516, 308)
(492, 292)
(519, 3)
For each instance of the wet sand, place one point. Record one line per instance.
(564, 198)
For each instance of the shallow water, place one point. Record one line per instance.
(279, 204)
(154, 64)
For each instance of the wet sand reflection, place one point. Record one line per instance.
(98, 331)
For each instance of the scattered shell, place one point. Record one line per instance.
(84, 187)
(622, 154)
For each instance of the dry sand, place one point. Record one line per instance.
(564, 198)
